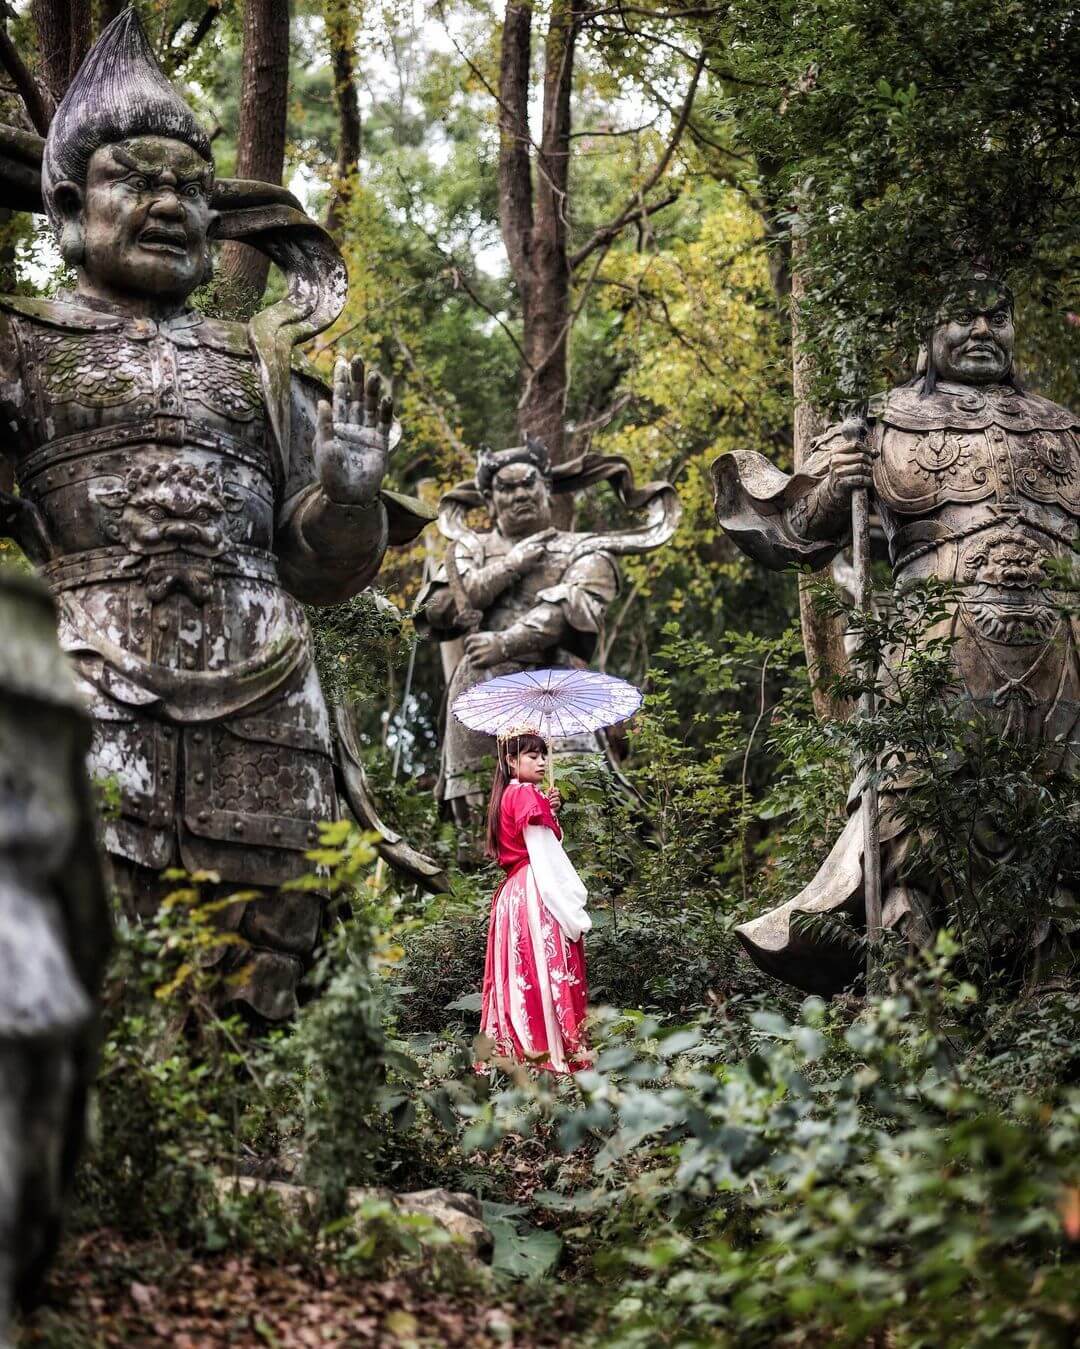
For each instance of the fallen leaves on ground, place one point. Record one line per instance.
(108, 1292)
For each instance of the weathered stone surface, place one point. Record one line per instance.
(54, 936)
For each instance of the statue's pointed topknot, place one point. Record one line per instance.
(120, 91)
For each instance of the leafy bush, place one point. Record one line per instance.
(188, 1096)
(757, 1180)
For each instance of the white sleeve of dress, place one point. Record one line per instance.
(561, 888)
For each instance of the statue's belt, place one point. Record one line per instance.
(922, 537)
(175, 569)
(179, 695)
(58, 456)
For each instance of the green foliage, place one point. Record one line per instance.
(358, 646)
(900, 143)
(174, 1076)
(188, 1096)
(990, 822)
(739, 1166)
(759, 1180)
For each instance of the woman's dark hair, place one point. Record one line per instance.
(505, 751)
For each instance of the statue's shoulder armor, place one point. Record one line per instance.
(973, 409)
(226, 336)
(967, 444)
(72, 318)
(53, 322)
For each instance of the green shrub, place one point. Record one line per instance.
(827, 1179)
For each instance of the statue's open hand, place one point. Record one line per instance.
(484, 649)
(352, 437)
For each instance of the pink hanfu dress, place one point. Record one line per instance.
(535, 995)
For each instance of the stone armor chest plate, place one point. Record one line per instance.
(980, 487)
(146, 450)
(993, 445)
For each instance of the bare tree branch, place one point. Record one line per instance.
(460, 279)
(632, 211)
(660, 16)
(192, 44)
(608, 233)
(602, 419)
(37, 100)
(615, 131)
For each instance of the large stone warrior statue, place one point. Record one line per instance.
(54, 936)
(182, 490)
(524, 595)
(976, 482)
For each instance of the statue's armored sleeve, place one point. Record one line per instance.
(782, 519)
(588, 586)
(327, 552)
(482, 580)
(568, 613)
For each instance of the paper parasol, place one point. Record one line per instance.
(547, 702)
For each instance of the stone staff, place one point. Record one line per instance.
(855, 429)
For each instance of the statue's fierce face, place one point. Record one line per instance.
(140, 226)
(974, 342)
(520, 501)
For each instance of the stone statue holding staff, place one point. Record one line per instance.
(976, 482)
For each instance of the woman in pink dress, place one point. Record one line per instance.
(535, 995)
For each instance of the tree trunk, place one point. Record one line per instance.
(37, 100)
(534, 215)
(823, 634)
(542, 406)
(64, 29)
(535, 210)
(342, 34)
(260, 145)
